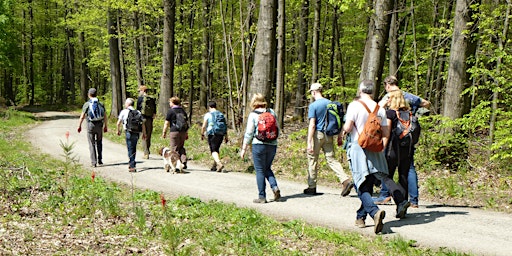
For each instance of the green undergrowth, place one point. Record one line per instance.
(56, 207)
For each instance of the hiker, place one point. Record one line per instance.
(264, 146)
(146, 104)
(177, 120)
(317, 140)
(417, 105)
(133, 125)
(215, 128)
(398, 155)
(368, 167)
(96, 126)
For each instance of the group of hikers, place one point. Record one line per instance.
(378, 138)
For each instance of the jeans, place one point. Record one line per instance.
(263, 156)
(131, 143)
(412, 180)
(364, 192)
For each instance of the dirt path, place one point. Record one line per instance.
(433, 225)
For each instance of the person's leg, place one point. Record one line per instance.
(259, 161)
(91, 138)
(270, 152)
(364, 192)
(215, 141)
(313, 162)
(131, 148)
(412, 180)
(99, 142)
(397, 192)
(146, 144)
(182, 137)
(384, 195)
(403, 170)
(335, 165)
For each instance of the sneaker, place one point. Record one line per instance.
(310, 191)
(214, 167)
(100, 162)
(145, 156)
(381, 201)
(377, 218)
(220, 167)
(184, 166)
(260, 201)
(401, 209)
(360, 223)
(93, 165)
(277, 195)
(346, 186)
(132, 169)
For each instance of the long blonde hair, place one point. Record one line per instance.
(397, 100)
(258, 101)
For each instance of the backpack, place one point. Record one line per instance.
(371, 136)
(181, 122)
(148, 107)
(333, 118)
(407, 130)
(134, 121)
(219, 124)
(96, 111)
(266, 126)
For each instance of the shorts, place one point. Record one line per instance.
(214, 142)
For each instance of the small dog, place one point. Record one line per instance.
(171, 160)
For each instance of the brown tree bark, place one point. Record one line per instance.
(300, 98)
(281, 54)
(316, 42)
(167, 80)
(115, 65)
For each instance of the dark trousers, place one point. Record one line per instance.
(95, 139)
(146, 144)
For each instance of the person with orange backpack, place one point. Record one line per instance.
(319, 139)
(262, 132)
(369, 134)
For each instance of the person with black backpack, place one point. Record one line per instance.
(177, 121)
(215, 127)
(146, 104)
(96, 125)
(133, 125)
(319, 139)
(262, 131)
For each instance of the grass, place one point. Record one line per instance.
(89, 217)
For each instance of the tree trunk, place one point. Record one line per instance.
(84, 70)
(30, 65)
(300, 100)
(262, 70)
(375, 47)
(137, 47)
(455, 104)
(316, 42)
(205, 55)
(281, 54)
(394, 55)
(115, 65)
(122, 72)
(167, 80)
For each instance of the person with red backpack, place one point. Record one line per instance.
(318, 140)
(262, 132)
(368, 163)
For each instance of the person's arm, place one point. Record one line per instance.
(105, 123)
(166, 126)
(347, 127)
(203, 128)
(119, 123)
(311, 133)
(82, 117)
(248, 136)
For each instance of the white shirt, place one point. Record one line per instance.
(357, 113)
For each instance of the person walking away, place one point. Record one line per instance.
(399, 150)
(97, 124)
(133, 125)
(215, 128)
(417, 104)
(146, 104)
(176, 121)
(368, 167)
(262, 131)
(317, 140)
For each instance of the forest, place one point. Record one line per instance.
(453, 53)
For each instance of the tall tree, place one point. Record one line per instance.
(280, 105)
(167, 81)
(455, 104)
(262, 70)
(300, 100)
(115, 65)
(316, 42)
(375, 47)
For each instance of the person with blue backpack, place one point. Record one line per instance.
(417, 105)
(320, 137)
(96, 126)
(215, 128)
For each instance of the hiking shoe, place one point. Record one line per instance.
(360, 223)
(310, 191)
(100, 162)
(377, 218)
(346, 186)
(93, 165)
(220, 167)
(214, 167)
(132, 169)
(401, 209)
(260, 201)
(277, 195)
(381, 201)
(146, 156)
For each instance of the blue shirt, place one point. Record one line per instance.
(317, 110)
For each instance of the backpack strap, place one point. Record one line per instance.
(367, 109)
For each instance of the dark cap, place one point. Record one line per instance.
(92, 91)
